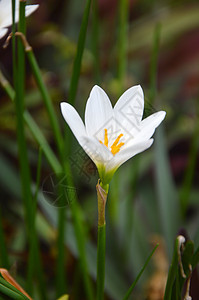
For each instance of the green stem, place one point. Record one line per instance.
(79, 53)
(101, 249)
(14, 44)
(75, 209)
(55, 126)
(130, 290)
(79, 234)
(19, 81)
(188, 177)
(7, 87)
(19, 105)
(34, 128)
(11, 294)
(102, 192)
(129, 208)
(154, 63)
(41, 140)
(10, 290)
(46, 97)
(60, 266)
(4, 256)
(122, 42)
(58, 168)
(23, 156)
(95, 41)
(36, 270)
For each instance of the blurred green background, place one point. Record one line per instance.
(155, 195)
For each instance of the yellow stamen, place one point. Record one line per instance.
(105, 137)
(115, 148)
(117, 140)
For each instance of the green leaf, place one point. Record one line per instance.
(8, 289)
(79, 53)
(195, 258)
(167, 194)
(130, 290)
(172, 273)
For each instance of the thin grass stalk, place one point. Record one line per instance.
(172, 273)
(34, 129)
(10, 290)
(14, 44)
(130, 290)
(76, 71)
(36, 271)
(3, 249)
(188, 177)
(77, 222)
(122, 66)
(75, 209)
(42, 142)
(79, 234)
(38, 178)
(7, 87)
(25, 171)
(79, 53)
(95, 41)
(122, 43)
(129, 212)
(165, 186)
(40, 273)
(60, 268)
(22, 147)
(10, 293)
(154, 63)
(46, 97)
(55, 165)
(61, 255)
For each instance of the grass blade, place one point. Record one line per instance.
(4, 256)
(122, 42)
(79, 53)
(130, 290)
(167, 194)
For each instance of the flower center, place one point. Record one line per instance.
(115, 148)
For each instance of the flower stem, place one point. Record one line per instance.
(101, 247)
(102, 192)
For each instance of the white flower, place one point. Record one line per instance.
(6, 14)
(110, 135)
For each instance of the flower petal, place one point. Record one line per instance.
(6, 13)
(98, 113)
(3, 32)
(148, 125)
(129, 108)
(73, 120)
(99, 153)
(30, 9)
(127, 153)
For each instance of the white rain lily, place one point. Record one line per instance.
(6, 14)
(110, 135)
